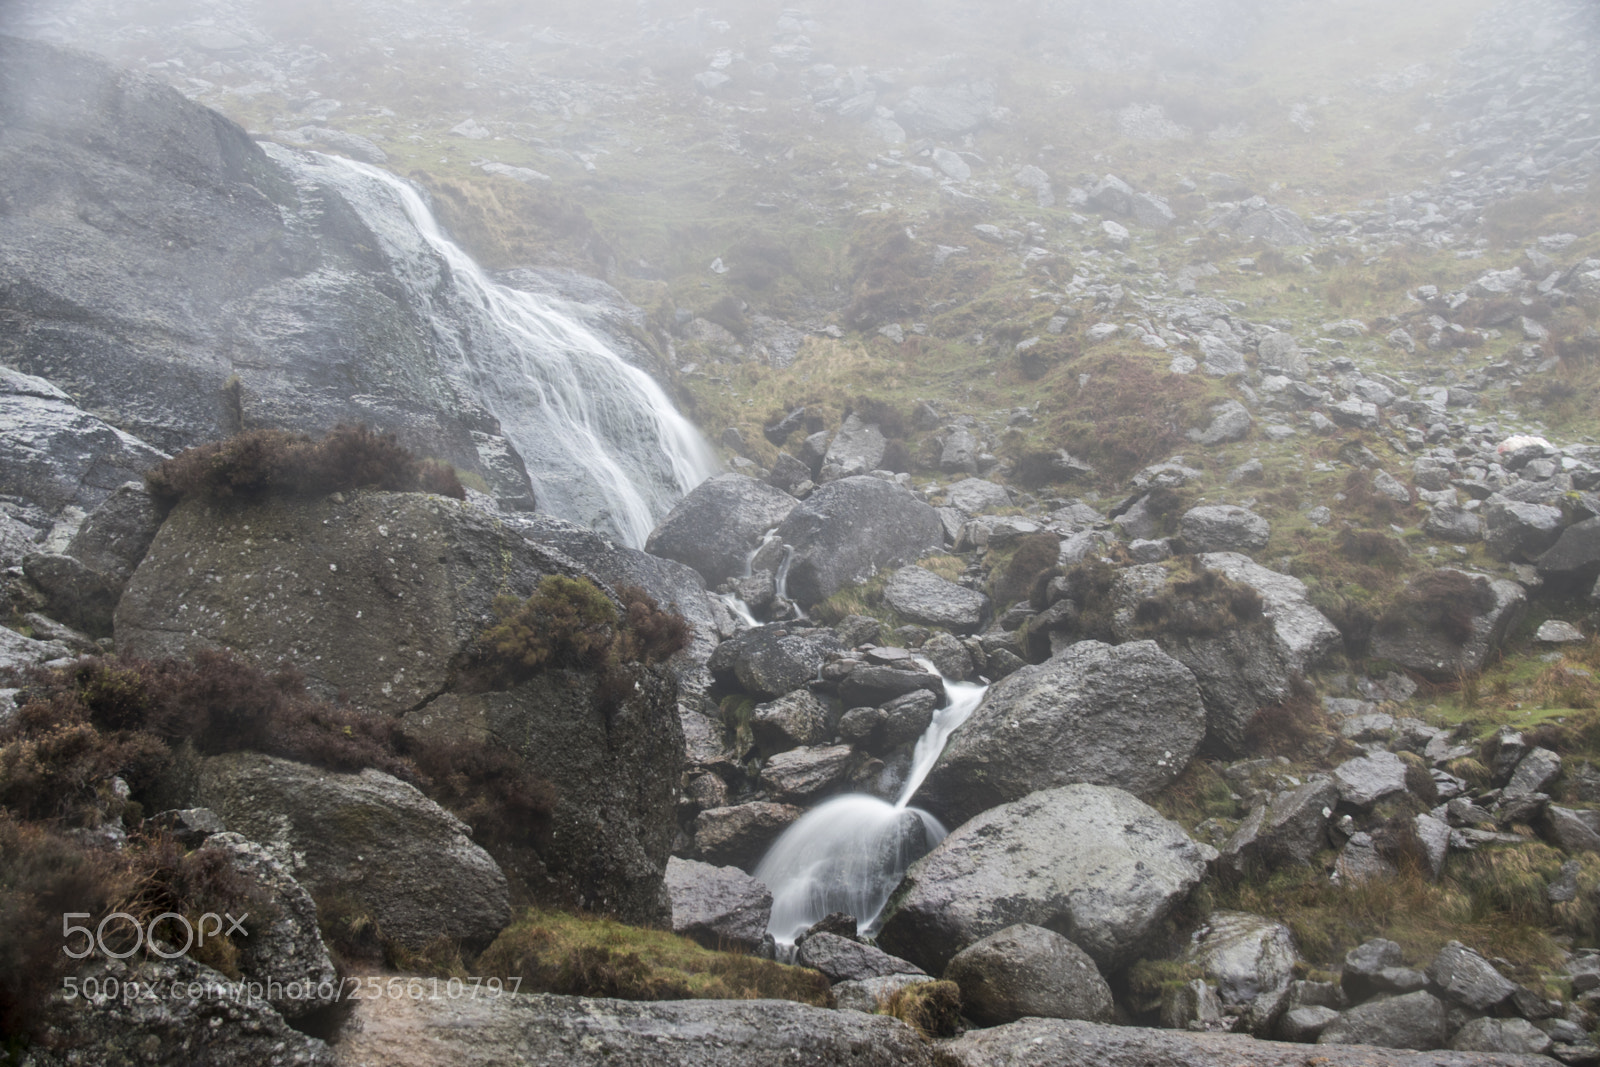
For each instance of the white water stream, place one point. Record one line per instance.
(848, 854)
(603, 444)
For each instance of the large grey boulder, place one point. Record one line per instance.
(1255, 218)
(844, 960)
(1463, 977)
(1291, 828)
(194, 1015)
(945, 110)
(1576, 554)
(1304, 635)
(857, 448)
(848, 530)
(739, 835)
(1063, 1042)
(1224, 528)
(1126, 715)
(922, 596)
(801, 775)
(976, 496)
(1414, 1020)
(19, 652)
(720, 907)
(1028, 970)
(408, 863)
(792, 720)
(1445, 649)
(580, 1031)
(286, 953)
(769, 661)
(1245, 956)
(1093, 863)
(1519, 532)
(116, 535)
(1501, 1035)
(717, 526)
(1365, 780)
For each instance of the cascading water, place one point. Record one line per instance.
(603, 444)
(849, 853)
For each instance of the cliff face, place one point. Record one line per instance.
(160, 267)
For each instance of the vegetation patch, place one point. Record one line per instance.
(1445, 601)
(1035, 556)
(262, 463)
(1199, 602)
(588, 956)
(932, 1009)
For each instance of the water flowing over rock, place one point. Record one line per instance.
(1127, 715)
(1093, 863)
(719, 524)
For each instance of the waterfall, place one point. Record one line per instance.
(603, 444)
(849, 853)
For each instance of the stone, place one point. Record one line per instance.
(1463, 977)
(1365, 780)
(1127, 715)
(1557, 632)
(1230, 421)
(922, 596)
(871, 995)
(1255, 218)
(1535, 772)
(405, 861)
(1360, 861)
(1092, 862)
(872, 683)
(1303, 633)
(1354, 413)
(1576, 554)
(856, 449)
(116, 535)
(1289, 829)
(556, 1031)
(1569, 830)
(792, 720)
(74, 594)
(720, 907)
(1244, 956)
(975, 495)
(1305, 1025)
(842, 959)
(848, 530)
(1501, 1035)
(1436, 653)
(18, 652)
(770, 661)
(946, 110)
(286, 952)
(739, 835)
(1027, 970)
(719, 524)
(1450, 523)
(1224, 528)
(801, 775)
(1519, 532)
(1413, 1020)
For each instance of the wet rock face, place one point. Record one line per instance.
(1091, 862)
(1128, 716)
(717, 906)
(848, 530)
(716, 527)
(254, 293)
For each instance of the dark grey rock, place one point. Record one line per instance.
(1501, 1035)
(1290, 829)
(1244, 956)
(717, 526)
(1436, 654)
(922, 596)
(720, 907)
(1360, 861)
(739, 835)
(845, 960)
(1125, 715)
(1450, 523)
(850, 529)
(795, 719)
(116, 535)
(1463, 977)
(1535, 771)
(1413, 1020)
(1090, 861)
(1365, 780)
(1305, 1025)
(769, 661)
(408, 862)
(1576, 554)
(872, 683)
(1569, 830)
(856, 449)
(1255, 218)
(804, 774)
(1519, 532)
(1027, 970)
(871, 995)
(975, 495)
(1224, 528)
(74, 594)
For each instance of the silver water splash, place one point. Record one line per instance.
(849, 853)
(603, 444)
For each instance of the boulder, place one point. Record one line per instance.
(1245, 956)
(1463, 977)
(1224, 528)
(739, 835)
(848, 530)
(1501, 1035)
(1519, 532)
(1365, 780)
(116, 535)
(720, 907)
(286, 954)
(922, 596)
(1360, 861)
(1460, 639)
(871, 995)
(1093, 863)
(1028, 970)
(1126, 715)
(946, 110)
(976, 496)
(770, 661)
(874, 683)
(406, 862)
(1255, 218)
(717, 526)
(802, 775)
(580, 1031)
(1448, 522)
(74, 594)
(19, 652)
(194, 1015)
(793, 720)
(1576, 554)
(1303, 633)
(843, 959)
(1414, 1021)
(1030, 1042)
(857, 448)
(1289, 829)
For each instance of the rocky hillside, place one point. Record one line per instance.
(1216, 384)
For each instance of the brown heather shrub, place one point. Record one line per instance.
(1444, 600)
(1036, 554)
(1372, 547)
(1290, 727)
(932, 1009)
(571, 623)
(1129, 413)
(1089, 586)
(260, 463)
(1203, 604)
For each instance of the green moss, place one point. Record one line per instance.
(579, 955)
